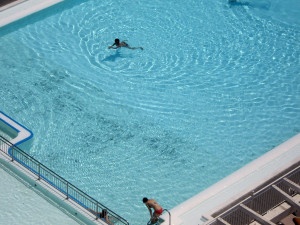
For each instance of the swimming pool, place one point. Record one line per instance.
(216, 86)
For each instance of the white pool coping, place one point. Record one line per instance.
(22, 8)
(23, 134)
(231, 188)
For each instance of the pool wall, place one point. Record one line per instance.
(198, 209)
(8, 131)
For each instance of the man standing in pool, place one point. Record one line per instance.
(152, 204)
(119, 44)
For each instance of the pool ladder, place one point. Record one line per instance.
(160, 220)
(169, 215)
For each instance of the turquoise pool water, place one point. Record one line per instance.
(216, 86)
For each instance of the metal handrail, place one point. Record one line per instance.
(169, 216)
(56, 181)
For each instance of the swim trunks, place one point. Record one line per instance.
(159, 211)
(124, 44)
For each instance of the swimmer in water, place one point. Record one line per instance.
(119, 44)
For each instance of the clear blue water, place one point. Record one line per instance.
(216, 86)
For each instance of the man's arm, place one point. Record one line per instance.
(112, 46)
(150, 211)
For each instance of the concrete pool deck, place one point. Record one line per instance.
(16, 10)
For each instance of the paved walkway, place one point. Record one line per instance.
(20, 204)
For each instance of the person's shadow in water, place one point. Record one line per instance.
(113, 57)
(265, 5)
(238, 3)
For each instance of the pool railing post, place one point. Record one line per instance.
(39, 172)
(67, 190)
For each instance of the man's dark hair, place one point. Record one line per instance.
(117, 41)
(145, 200)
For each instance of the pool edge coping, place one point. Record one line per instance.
(23, 9)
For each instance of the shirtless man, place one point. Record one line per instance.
(151, 203)
(119, 44)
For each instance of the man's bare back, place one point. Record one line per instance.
(152, 204)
